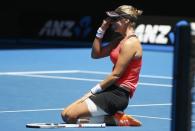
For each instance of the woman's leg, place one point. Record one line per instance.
(77, 102)
(81, 110)
(86, 111)
(75, 111)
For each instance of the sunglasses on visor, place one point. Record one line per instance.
(114, 19)
(114, 16)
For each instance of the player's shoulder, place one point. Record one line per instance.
(133, 39)
(131, 42)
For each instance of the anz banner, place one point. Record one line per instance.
(58, 27)
(67, 29)
(155, 34)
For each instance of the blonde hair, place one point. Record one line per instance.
(131, 11)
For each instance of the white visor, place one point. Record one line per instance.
(112, 14)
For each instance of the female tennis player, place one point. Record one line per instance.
(107, 100)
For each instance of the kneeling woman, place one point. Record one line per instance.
(107, 100)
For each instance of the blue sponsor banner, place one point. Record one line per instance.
(150, 29)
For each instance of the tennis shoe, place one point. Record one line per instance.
(122, 119)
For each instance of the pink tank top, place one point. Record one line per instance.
(130, 77)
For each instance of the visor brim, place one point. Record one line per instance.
(112, 14)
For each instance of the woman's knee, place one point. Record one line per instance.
(64, 116)
(69, 117)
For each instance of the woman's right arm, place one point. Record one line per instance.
(97, 50)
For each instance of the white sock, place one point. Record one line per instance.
(94, 119)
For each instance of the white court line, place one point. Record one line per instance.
(152, 117)
(39, 72)
(35, 110)
(156, 77)
(78, 71)
(85, 79)
(94, 72)
(152, 105)
(144, 76)
(60, 109)
(60, 77)
(154, 84)
(148, 105)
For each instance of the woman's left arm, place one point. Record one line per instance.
(127, 52)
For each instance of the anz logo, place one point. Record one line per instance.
(192, 28)
(156, 34)
(67, 28)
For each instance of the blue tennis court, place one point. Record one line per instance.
(35, 85)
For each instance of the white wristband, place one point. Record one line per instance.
(100, 33)
(96, 89)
